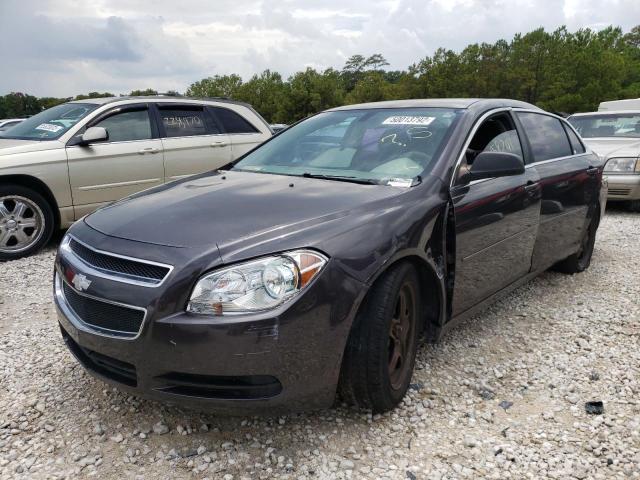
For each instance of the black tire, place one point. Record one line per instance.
(367, 378)
(580, 261)
(634, 205)
(36, 210)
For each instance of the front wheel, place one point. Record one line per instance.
(381, 350)
(26, 222)
(580, 261)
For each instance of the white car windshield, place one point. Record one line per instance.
(382, 146)
(50, 124)
(610, 125)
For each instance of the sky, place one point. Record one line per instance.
(65, 47)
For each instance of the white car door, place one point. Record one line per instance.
(243, 134)
(129, 161)
(192, 140)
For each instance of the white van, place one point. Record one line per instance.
(631, 104)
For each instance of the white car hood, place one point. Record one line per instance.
(614, 147)
(9, 146)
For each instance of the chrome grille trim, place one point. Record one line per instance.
(114, 275)
(79, 323)
(621, 192)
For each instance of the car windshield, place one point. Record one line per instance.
(616, 125)
(383, 146)
(50, 124)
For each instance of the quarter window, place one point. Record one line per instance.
(127, 126)
(232, 122)
(546, 135)
(186, 122)
(576, 144)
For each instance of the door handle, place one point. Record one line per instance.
(592, 170)
(148, 150)
(531, 186)
(218, 144)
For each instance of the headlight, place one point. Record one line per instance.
(621, 165)
(256, 285)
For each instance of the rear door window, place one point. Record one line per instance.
(232, 122)
(576, 144)
(186, 121)
(546, 135)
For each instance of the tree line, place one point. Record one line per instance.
(559, 71)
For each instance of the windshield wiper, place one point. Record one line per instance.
(339, 178)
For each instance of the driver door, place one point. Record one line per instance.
(129, 161)
(496, 218)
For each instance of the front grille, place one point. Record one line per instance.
(108, 367)
(621, 192)
(248, 387)
(104, 316)
(117, 265)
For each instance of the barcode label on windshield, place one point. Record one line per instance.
(47, 127)
(408, 120)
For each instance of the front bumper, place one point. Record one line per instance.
(624, 187)
(284, 360)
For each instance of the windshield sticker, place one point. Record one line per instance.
(47, 127)
(408, 120)
(400, 182)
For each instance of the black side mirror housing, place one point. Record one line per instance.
(496, 164)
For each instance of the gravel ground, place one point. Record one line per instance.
(503, 396)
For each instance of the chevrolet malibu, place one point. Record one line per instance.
(313, 265)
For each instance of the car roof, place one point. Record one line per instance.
(147, 98)
(607, 112)
(462, 103)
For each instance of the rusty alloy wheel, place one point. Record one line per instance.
(401, 329)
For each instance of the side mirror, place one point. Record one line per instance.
(94, 135)
(496, 164)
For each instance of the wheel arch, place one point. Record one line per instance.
(432, 289)
(37, 185)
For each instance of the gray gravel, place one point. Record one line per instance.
(503, 396)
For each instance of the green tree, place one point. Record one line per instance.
(94, 95)
(143, 93)
(16, 104)
(216, 86)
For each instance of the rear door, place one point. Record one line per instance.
(567, 186)
(193, 141)
(496, 218)
(244, 135)
(129, 161)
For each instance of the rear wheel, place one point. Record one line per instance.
(580, 261)
(381, 349)
(26, 222)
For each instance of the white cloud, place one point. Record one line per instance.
(65, 47)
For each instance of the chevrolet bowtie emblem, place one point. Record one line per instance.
(81, 282)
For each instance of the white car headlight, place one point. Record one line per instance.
(621, 165)
(255, 285)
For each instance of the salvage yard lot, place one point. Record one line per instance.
(501, 397)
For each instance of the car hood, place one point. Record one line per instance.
(233, 207)
(614, 147)
(10, 146)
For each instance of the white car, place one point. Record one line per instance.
(7, 123)
(69, 160)
(615, 137)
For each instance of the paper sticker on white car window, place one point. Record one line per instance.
(47, 127)
(409, 120)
